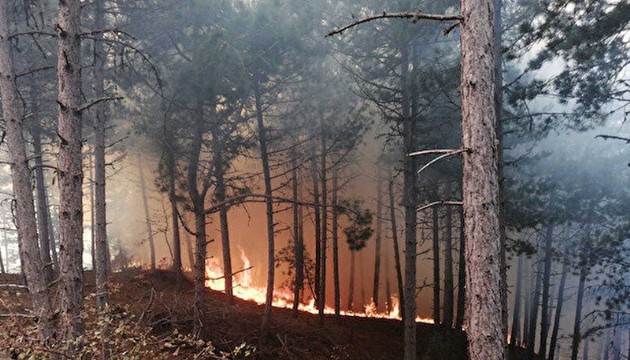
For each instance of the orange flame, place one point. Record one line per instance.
(282, 298)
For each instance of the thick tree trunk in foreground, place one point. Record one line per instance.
(448, 268)
(486, 332)
(378, 234)
(70, 167)
(392, 218)
(577, 336)
(264, 155)
(199, 272)
(21, 181)
(189, 248)
(436, 265)
(147, 213)
(556, 321)
(410, 203)
(516, 315)
(335, 240)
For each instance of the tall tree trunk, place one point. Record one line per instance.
(298, 247)
(516, 315)
(577, 336)
(436, 266)
(546, 278)
(448, 267)
(527, 303)
(498, 109)
(410, 202)
(351, 281)
(177, 252)
(484, 265)
(461, 274)
(220, 193)
(264, 155)
(318, 226)
(585, 351)
(21, 181)
(100, 214)
(606, 346)
(335, 240)
(42, 207)
(200, 269)
(92, 207)
(556, 320)
(534, 306)
(324, 209)
(70, 167)
(378, 234)
(198, 201)
(147, 213)
(392, 219)
(191, 254)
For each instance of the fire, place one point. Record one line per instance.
(244, 288)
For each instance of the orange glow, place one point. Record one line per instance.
(283, 298)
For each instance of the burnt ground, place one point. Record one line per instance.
(163, 304)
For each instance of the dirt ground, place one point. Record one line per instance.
(164, 304)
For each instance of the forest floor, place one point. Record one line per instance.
(164, 305)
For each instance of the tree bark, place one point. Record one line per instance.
(436, 266)
(324, 234)
(335, 240)
(43, 215)
(410, 202)
(546, 278)
(392, 217)
(527, 303)
(264, 155)
(147, 213)
(191, 254)
(177, 252)
(21, 181)
(534, 306)
(577, 337)
(70, 167)
(298, 247)
(516, 315)
(318, 226)
(556, 321)
(351, 282)
(220, 193)
(100, 212)
(378, 234)
(461, 274)
(448, 267)
(486, 330)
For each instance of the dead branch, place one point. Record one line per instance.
(606, 137)
(35, 70)
(234, 273)
(441, 202)
(13, 287)
(414, 16)
(32, 32)
(96, 101)
(441, 157)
